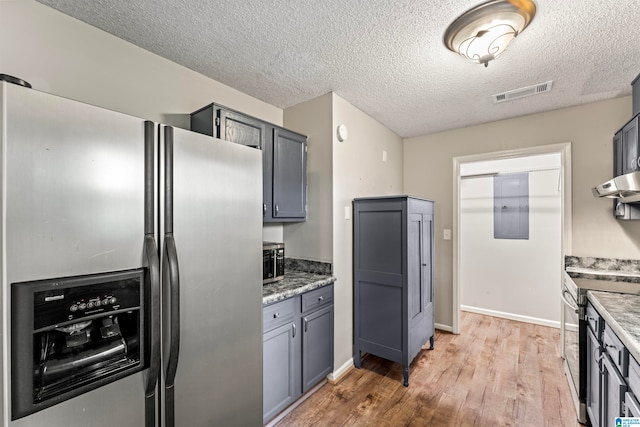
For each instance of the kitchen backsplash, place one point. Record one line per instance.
(610, 264)
(307, 266)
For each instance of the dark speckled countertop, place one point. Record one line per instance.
(614, 290)
(300, 276)
(608, 269)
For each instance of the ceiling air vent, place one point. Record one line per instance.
(522, 92)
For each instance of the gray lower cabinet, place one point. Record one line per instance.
(393, 278)
(613, 377)
(593, 381)
(613, 390)
(317, 347)
(297, 347)
(279, 377)
(280, 350)
(631, 405)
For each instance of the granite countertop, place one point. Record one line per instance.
(622, 313)
(606, 269)
(294, 283)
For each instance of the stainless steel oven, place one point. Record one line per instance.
(573, 335)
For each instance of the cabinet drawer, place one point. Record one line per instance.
(594, 320)
(278, 314)
(317, 298)
(614, 348)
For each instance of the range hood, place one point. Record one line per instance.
(625, 187)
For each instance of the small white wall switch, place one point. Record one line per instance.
(447, 234)
(347, 212)
(384, 155)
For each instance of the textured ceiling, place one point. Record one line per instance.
(385, 57)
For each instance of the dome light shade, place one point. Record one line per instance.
(482, 33)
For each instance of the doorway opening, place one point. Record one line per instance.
(517, 277)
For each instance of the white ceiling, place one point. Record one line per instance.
(386, 57)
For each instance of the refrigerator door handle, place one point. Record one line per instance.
(153, 263)
(174, 342)
(151, 252)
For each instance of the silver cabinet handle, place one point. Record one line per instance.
(305, 324)
(293, 330)
(320, 298)
(276, 315)
(264, 209)
(277, 209)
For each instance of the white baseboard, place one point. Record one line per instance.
(337, 373)
(442, 327)
(511, 316)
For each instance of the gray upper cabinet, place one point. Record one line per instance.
(617, 154)
(628, 147)
(289, 176)
(230, 125)
(241, 129)
(393, 278)
(284, 154)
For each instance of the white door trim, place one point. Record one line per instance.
(565, 153)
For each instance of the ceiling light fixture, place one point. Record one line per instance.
(484, 32)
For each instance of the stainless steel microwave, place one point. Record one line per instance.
(272, 262)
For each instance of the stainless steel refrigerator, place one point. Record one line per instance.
(86, 193)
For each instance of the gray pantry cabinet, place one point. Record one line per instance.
(284, 158)
(393, 278)
(297, 347)
(613, 376)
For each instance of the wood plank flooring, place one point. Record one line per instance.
(497, 372)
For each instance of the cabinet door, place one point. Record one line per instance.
(419, 281)
(289, 174)
(631, 405)
(427, 264)
(241, 129)
(278, 363)
(630, 146)
(317, 347)
(593, 379)
(613, 390)
(618, 163)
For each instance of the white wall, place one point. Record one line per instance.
(517, 279)
(358, 171)
(63, 56)
(337, 173)
(428, 173)
(313, 239)
(60, 55)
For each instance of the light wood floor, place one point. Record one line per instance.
(495, 373)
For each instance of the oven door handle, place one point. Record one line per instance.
(566, 300)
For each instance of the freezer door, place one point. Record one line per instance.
(73, 182)
(212, 279)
